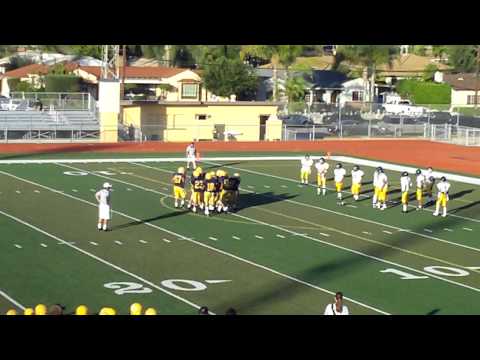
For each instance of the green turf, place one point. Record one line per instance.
(304, 245)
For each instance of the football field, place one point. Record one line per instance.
(286, 251)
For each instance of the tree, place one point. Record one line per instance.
(369, 57)
(277, 54)
(429, 72)
(295, 88)
(226, 77)
(462, 57)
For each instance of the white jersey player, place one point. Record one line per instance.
(191, 153)
(306, 169)
(443, 187)
(382, 184)
(104, 206)
(338, 176)
(322, 168)
(376, 189)
(421, 180)
(357, 176)
(405, 185)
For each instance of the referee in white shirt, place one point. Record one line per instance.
(337, 308)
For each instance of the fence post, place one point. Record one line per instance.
(467, 133)
(424, 131)
(313, 132)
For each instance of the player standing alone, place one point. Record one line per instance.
(306, 169)
(322, 168)
(191, 153)
(339, 175)
(357, 176)
(405, 184)
(104, 206)
(443, 188)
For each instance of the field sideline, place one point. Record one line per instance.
(285, 252)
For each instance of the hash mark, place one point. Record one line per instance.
(168, 241)
(74, 190)
(235, 237)
(366, 233)
(280, 236)
(43, 245)
(428, 230)
(387, 232)
(266, 186)
(259, 237)
(213, 238)
(118, 242)
(18, 246)
(352, 206)
(447, 229)
(468, 229)
(284, 186)
(323, 234)
(93, 243)
(18, 192)
(36, 191)
(142, 241)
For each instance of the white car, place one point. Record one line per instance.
(404, 107)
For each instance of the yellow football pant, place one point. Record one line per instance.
(405, 198)
(442, 200)
(196, 198)
(179, 193)
(209, 198)
(304, 174)
(339, 186)
(356, 189)
(419, 194)
(382, 194)
(321, 181)
(376, 192)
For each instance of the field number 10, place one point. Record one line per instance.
(435, 270)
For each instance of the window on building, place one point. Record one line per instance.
(189, 91)
(201, 117)
(357, 95)
(471, 99)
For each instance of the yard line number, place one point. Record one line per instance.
(122, 288)
(436, 270)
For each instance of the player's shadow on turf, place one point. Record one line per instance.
(143, 221)
(464, 207)
(258, 199)
(433, 312)
(460, 194)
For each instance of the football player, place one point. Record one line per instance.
(339, 175)
(210, 192)
(405, 184)
(198, 187)
(104, 206)
(306, 169)
(382, 183)
(376, 189)
(443, 187)
(429, 183)
(235, 190)
(322, 168)
(420, 186)
(357, 176)
(178, 181)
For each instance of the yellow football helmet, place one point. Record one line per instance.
(150, 311)
(81, 310)
(28, 311)
(107, 311)
(11, 312)
(136, 309)
(40, 309)
(181, 170)
(208, 176)
(199, 169)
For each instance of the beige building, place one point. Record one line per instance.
(203, 121)
(463, 89)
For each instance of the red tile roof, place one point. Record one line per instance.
(461, 81)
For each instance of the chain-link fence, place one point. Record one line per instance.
(460, 135)
(51, 101)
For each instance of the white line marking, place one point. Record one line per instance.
(259, 237)
(366, 233)
(284, 186)
(357, 252)
(43, 245)
(447, 229)
(36, 191)
(92, 190)
(352, 206)
(235, 237)
(266, 186)
(74, 190)
(164, 188)
(93, 243)
(18, 192)
(323, 234)
(17, 246)
(213, 238)
(468, 229)
(217, 281)
(167, 241)
(428, 230)
(13, 301)
(128, 189)
(302, 204)
(251, 187)
(280, 236)
(118, 242)
(473, 267)
(387, 232)
(192, 241)
(143, 241)
(116, 267)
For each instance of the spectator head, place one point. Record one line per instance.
(136, 309)
(81, 310)
(231, 311)
(339, 298)
(56, 309)
(203, 311)
(151, 311)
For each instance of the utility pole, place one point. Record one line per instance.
(476, 77)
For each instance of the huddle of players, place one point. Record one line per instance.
(209, 191)
(424, 184)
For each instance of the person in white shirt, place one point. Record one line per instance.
(337, 307)
(420, 186)
(443, 187)
(338, 176)
(382, 183)
(357, 176)
(376, 189)
(191, 153)
(322, 168)
(104, 206)
(306, 169)
(429, 183)
(405, 184)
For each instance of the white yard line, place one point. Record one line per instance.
(280, 236)
(236, 237)
(99, 259)
(198, 243)
(323, 234)
(213, 238)
(326, 210)
(12, 300)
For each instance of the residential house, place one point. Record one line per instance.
(463, 88)
(324, 86)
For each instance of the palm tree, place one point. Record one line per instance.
(277, 54)
(369, 57)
